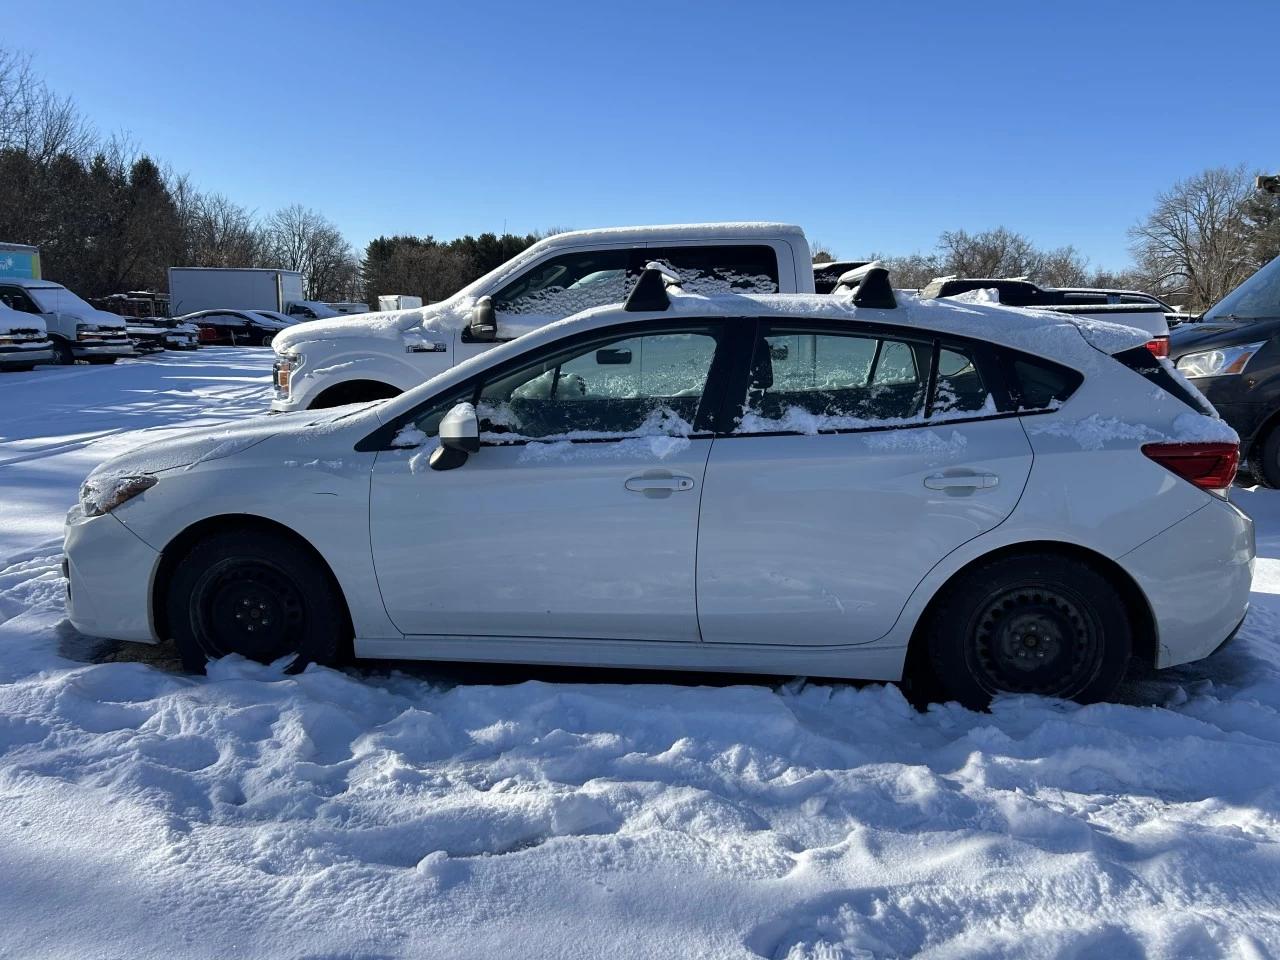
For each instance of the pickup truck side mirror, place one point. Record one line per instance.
(459, 438)
(483, 323)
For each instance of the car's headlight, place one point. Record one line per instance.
(282, 371)
(1222, 362)
(88, 331)
(106, 493)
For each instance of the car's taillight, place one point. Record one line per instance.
(1210, 466)
(1159, 346)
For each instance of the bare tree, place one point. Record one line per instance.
(296, 238)
(1195, 245)
(35, 120)
(821, 252)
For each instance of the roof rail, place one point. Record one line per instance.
(650, 295)
(870, 286)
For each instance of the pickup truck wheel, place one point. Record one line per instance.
(1030, 624)
(258, 596)
(357, 391)
(62, 354)
(101, 361)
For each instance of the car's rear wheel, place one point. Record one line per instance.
(266, 340)
(1030, 624)
(257, 595)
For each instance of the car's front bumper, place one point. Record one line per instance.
(85, 350)
(109, 572)
(24, 356)
(1196, 575)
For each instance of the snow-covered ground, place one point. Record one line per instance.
(424, 813)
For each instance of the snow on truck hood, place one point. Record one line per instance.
(386, 325)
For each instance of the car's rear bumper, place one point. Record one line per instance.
(109, 574)
(1196, 575)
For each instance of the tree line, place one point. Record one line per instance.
(109, 218)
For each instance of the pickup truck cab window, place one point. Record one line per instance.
(722, 268)
(566, 284)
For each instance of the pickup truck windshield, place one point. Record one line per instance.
(1257, 297)
(53, 298)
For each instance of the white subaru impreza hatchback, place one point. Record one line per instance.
(856, 485)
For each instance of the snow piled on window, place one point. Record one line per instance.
(799, 420)
(639, 448)
(558, 302)
(661, 421)
(409, 436)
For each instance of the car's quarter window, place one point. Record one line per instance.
(567, 284)
(812, 380)
(724, 268)
(1040, 384)
(960, 388)
(611, 386)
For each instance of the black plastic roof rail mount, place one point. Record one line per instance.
(875, 291)
(650, 293)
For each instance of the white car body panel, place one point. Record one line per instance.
(770, 557)
(406, 348)
(526, 557)
(557, 524)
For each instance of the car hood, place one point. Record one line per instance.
(1193, 337)
(387, 325)
(204, 444)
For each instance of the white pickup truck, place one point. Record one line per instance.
(327, 363)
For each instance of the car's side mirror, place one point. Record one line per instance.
(459, 438)
(613, 356)
(483, 323)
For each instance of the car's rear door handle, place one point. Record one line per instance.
(963, 481)
(668, 484)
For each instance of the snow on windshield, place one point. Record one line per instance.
(54, 299)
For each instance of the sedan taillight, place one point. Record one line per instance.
(1159, 346)
(1210, 466)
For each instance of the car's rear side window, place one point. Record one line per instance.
(1039, 384)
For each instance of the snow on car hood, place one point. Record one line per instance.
(13, 321)
(212, 443)
(388, 325)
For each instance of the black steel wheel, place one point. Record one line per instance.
(1030, 624)
(257, 595)
(62, 354)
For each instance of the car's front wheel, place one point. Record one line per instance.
(257, 595)
(1030, 624)
(266, 339)
(62, 354)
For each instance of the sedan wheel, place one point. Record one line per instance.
(1038, 624)
(266, 340)
(258, 596)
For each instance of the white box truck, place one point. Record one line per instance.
(398, 301)
(239, 288)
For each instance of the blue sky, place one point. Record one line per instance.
(874, 126)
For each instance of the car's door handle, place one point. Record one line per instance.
(964, 481)
(659, 484)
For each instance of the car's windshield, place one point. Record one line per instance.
(1257, 297)
(53, 298)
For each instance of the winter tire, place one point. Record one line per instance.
(257, 595)
(1030, 624)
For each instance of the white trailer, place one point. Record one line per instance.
(398, 301)
(233, 288)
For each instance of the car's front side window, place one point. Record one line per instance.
(651, 383)
(567, 284)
